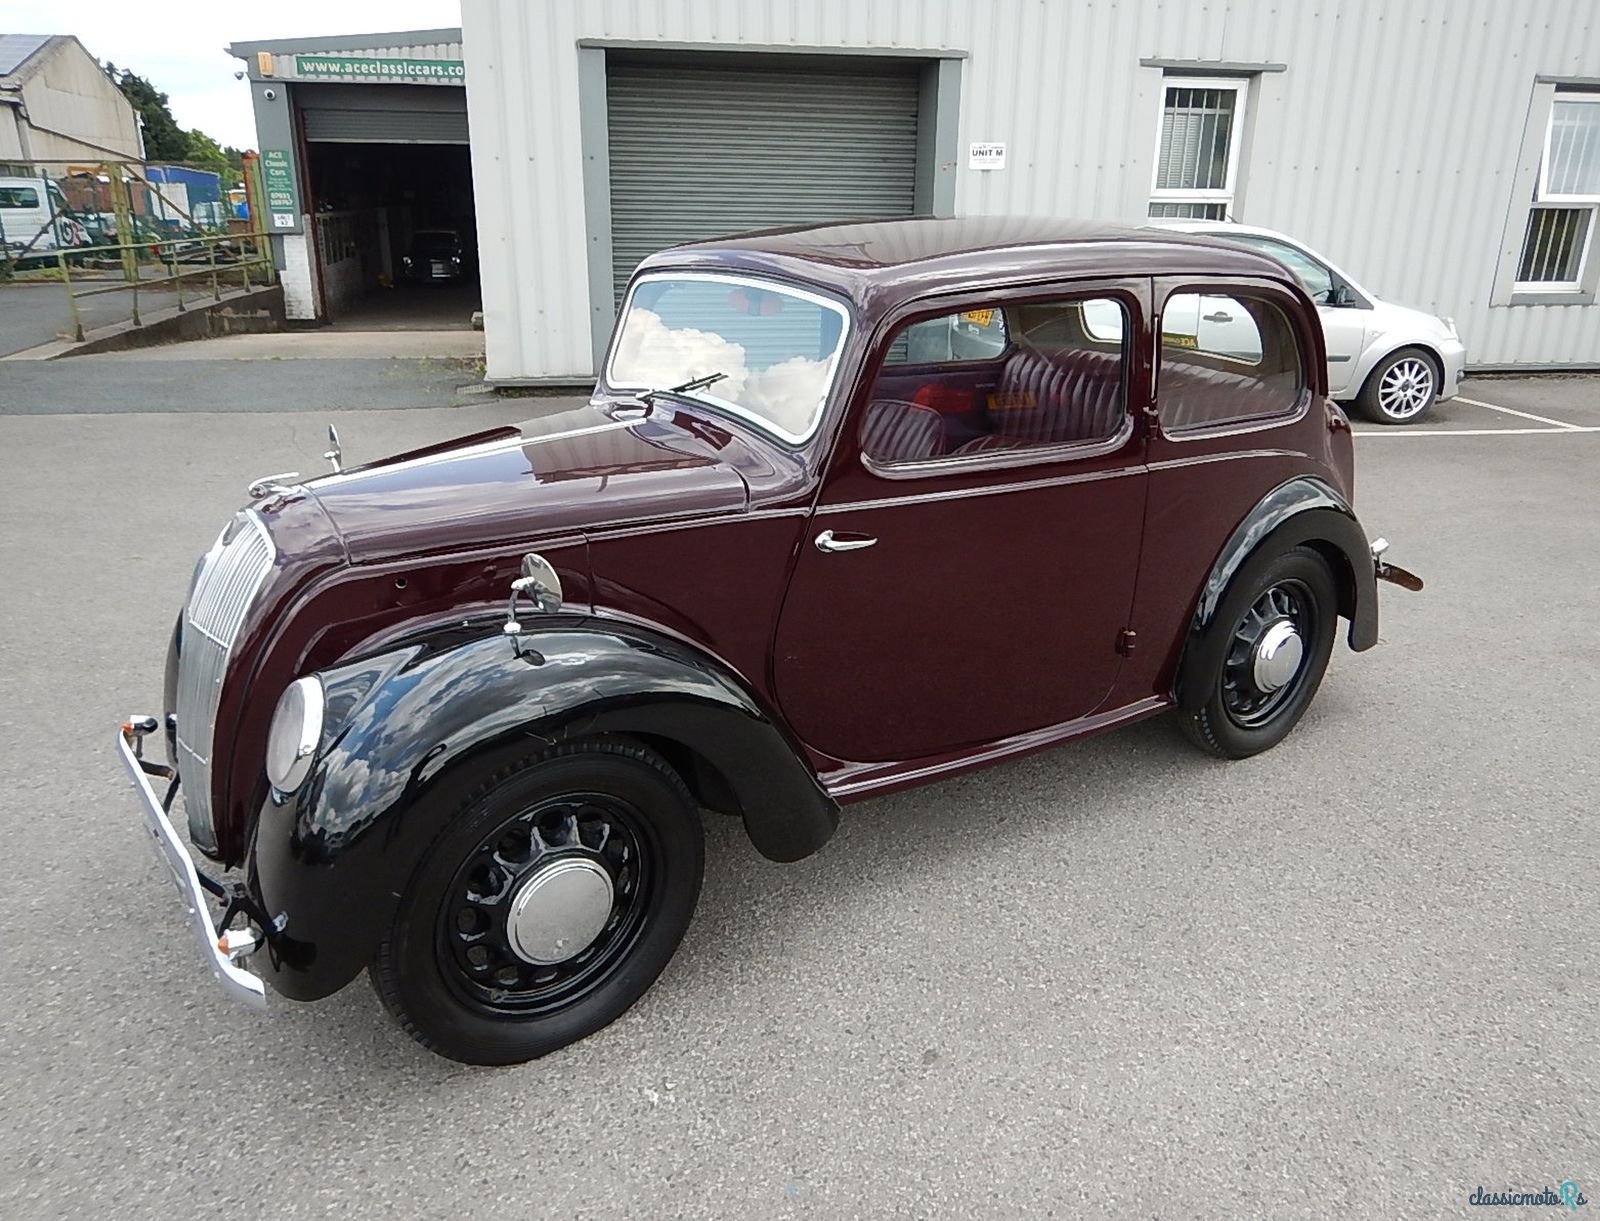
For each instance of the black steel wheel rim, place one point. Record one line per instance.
(473, 939)
(1246, 704)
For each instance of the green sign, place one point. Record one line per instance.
(380, 65)
(277, 172)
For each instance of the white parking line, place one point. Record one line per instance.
(1566, 430)
(1526, 415)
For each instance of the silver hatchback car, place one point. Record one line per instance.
(1390, 361)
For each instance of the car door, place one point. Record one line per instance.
(970, 561)
(1345, 327)
(1228, 432)
(1222, 326)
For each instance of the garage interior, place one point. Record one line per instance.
(383, 162)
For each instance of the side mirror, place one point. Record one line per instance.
(539, 584)
(540, 581)
(1341, 296)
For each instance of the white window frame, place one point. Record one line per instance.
(1545, 200)
(1575, 284)
(1240, 87)
(1545, 196)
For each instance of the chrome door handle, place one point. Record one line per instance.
(1219, 316)
(826, 542)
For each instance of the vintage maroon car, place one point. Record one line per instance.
(851, 509)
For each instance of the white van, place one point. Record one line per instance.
(33, 208)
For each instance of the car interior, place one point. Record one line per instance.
(1053, 374)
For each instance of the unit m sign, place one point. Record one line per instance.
(380, 65)
(986, 155)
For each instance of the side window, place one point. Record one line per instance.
(1226, 358)
(1314, 277)
(1016, 377)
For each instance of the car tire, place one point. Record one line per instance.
(1401, 389)
(1255, 692)
(549, 903)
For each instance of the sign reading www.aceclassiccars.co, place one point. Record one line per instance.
(379, 65)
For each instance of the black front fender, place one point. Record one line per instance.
(1303, 511)
(333, 859)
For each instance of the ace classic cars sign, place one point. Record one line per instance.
(314, 66)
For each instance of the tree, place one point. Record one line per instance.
(206, 152)
(164, 140)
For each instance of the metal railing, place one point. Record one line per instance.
(257, 256)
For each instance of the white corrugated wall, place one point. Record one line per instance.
(1390, 143)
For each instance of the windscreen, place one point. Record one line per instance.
(765, 351)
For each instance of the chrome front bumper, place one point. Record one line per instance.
(238, 983)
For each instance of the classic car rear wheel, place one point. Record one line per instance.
(1280, 626)
(546, 907)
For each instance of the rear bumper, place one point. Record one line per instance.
(236, 982)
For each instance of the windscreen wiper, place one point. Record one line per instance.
(694, 383)
(697, 383)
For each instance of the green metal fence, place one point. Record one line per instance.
(134, 228)
(241, 255)
(51, 206)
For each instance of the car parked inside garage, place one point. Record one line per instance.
(1390, 361)
(438, 256)
(851, 509)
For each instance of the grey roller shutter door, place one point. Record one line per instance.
(382, 114)
(385, 126)
(700, 152)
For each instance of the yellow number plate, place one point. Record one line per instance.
(1179, 341)
(978, 317)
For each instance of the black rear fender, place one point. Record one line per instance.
(1305, 512)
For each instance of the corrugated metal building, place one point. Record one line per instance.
(363, 143)
(58, 105)
(1405, 139)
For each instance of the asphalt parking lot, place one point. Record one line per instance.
(1355, 976)
(33, 313)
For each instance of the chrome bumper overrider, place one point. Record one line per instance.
(238, 983)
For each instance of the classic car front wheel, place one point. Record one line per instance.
(1279, 625)
(547, 906)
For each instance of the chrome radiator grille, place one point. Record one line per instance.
(230, 576)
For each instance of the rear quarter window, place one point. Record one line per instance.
(1226, 358)
(977, 334)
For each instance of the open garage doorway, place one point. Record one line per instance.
(389, 183)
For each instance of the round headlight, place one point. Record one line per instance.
(296, 731)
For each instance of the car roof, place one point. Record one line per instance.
(881, 262)
(1221, 228)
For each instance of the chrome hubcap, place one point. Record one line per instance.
(559, 910)
(1406, 388)
(1266, 661)
(1276, 657)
